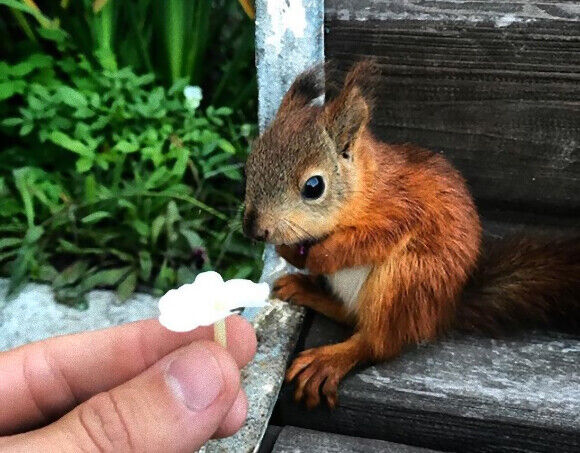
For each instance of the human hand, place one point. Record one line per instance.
(137, 387)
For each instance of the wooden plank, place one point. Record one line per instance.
(269, 439)
(292, 439)
(493, 85)
(499, 223)
(460, 394)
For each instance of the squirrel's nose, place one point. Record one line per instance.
(251, 228)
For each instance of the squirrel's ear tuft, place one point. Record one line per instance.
(306, 88)
(350, 110)
(364, 75)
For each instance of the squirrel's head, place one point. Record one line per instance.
(302, 171)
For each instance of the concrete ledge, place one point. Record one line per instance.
(277, 328)
(34, 315)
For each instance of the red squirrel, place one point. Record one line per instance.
(390, 237)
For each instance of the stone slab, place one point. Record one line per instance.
(34, 314)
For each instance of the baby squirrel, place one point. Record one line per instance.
(390, 237)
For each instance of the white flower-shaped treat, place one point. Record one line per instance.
(207, 300)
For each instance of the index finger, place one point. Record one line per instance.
(41, 381)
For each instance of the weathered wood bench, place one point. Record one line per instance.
(291, 440)
(495, 87)
(459, 394)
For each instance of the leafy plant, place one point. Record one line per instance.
(109, 180)
(209, 43)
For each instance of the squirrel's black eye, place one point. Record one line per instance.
(313, 188)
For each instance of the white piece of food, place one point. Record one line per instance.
(207, 300)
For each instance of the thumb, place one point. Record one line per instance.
(176, 405)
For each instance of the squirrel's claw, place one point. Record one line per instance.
(316, 370)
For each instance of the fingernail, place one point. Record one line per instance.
(196, 377)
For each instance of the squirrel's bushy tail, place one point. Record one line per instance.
(523, 283)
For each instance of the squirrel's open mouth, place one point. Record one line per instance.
(303, 246)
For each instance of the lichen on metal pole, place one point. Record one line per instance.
(289, 39)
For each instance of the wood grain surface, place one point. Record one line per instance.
(296, 440)
(493, 85)
(461, 394)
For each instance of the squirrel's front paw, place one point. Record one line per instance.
(316, 371)
(293, 288)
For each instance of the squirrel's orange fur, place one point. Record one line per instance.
(401, 213)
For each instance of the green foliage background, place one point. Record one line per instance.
(110, 176)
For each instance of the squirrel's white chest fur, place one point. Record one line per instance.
(346, 284)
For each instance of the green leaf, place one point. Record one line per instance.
(68, 246)
(144, 79)
(25, 260)
(21, 180)
(126, 147)
(106, 58)
(83, 113)
(36, 104)
(9, 89)
(71, 274)
(127, 286)
(193, 239)
(181, 162)
(46, 273)
(61, 139)
(172, 212)
(26, 129)
(33, 234)
(156, 97)
(9, 242)
(166, 277)
(84, 164)
(231, 171)
(140, 227)
(243, 271)
(226, 146)
(10, 122)
(9, 207)
(104, 278)
(127, 205)
(90, 187)
(71, 296)
(19, 5)
(158, 178)
(172, 217)
(185, 275)
(156, 228)
(223, 111)
(71, 97)
(9, 254)
(95, 217)
(41, 91)
(35, 61)
(145, 264)
(58, 35)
